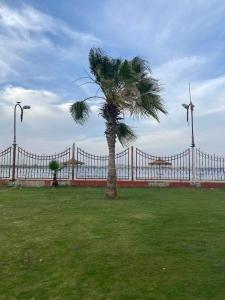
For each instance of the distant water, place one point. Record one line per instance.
(142, 173)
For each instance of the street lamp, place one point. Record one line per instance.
(190, 107)
(14, 133)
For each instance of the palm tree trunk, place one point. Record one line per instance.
(111, 187)
(55, 181)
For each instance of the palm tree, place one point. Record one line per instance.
(55, 167)
(126, 87)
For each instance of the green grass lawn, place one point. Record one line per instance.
(70, 243)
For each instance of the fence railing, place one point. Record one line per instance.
(173, 167)
(91, 166)
(6, 163)
(209, 166)
(34, 166)
(131, 164)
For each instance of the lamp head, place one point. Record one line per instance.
(186, 106)
(26, 107)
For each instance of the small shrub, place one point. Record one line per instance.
(55, 167)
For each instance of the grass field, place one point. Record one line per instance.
(153, 243)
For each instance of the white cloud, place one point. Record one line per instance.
(164, 142)
(209, 96)
(47, 125)
(25, 31)
(6, 71)
(178, 68)
(174, 77)
(163, 30)
(12, 94)
(25, 19)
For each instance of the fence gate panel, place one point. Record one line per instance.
(5, 163)
(91, 166)
(123, 164)
(209, 166)
(30, 165)
(152, 167)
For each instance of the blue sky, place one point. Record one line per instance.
(44, 47)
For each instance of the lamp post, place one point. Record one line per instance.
(14, 134)
(190, 107)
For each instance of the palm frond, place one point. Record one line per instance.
(125, 71)
(124, 134)
(140, 65)
(80, 112)
(148, 84)
(127, 85)
(150, 105)
(102, 66)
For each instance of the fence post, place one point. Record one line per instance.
(132, 163)
(193, 166)
(73, 160)
(14, 163)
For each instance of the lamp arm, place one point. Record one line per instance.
(21, 112)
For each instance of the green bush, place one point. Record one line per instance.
(54, 165)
